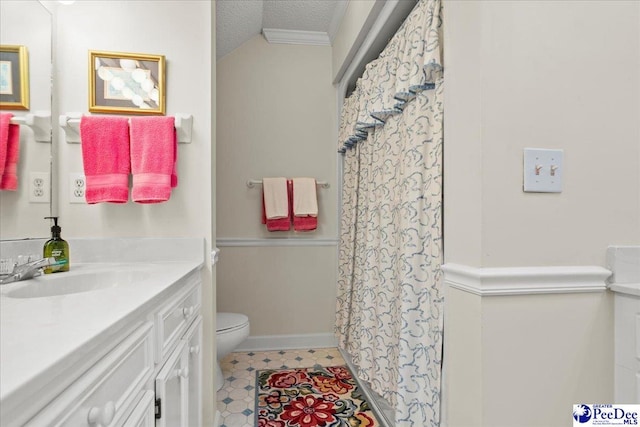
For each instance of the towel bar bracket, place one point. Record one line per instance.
(39, 122)
(70, 123)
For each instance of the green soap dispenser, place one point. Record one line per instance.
(56, 248)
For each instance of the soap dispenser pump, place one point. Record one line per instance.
(56, 248)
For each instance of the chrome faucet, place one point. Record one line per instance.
(28, 270)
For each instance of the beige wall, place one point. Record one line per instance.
(526, 74)
(546, 352)
(508, 354)
(462, 380)
(283, 290)
(536, 74)
(276, 117)
(354, 19)
(136, 27)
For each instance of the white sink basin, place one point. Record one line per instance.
(81, 278)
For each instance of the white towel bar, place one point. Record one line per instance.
(253, 182)
(70, 123)
(39, 122)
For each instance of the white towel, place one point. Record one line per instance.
(305, 200)
(276, 198)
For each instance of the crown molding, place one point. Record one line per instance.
(314, 38)
(525, 280)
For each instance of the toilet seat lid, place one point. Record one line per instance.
(226, 321)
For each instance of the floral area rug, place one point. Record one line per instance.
(310, 397)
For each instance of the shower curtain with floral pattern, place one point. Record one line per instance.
(389, 307)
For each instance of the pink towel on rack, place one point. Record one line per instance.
(277, 224)
(153, 158)
(305, 223)
(9, 153)
(305, 204)
(105, 155)
(5, 121)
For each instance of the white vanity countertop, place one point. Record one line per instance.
(40, 337)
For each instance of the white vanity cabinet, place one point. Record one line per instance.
(104, 394)
(149, 375)
(143, 415)
(193, 338)
(178, 385)
(172, 389)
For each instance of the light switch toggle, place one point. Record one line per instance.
(542, 170)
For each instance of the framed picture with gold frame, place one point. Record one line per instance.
(14, 78)
(130, 83)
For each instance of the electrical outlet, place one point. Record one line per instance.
(39, 187)
(77, 187)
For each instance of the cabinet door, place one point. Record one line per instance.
(143, 415)
(193, 338)
(172, 388)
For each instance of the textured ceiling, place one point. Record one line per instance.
(239, 20)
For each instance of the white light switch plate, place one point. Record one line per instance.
(543, 170)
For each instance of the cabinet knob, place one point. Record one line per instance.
(182, 372)
(188, 311)
(194, 349)
(102, 416)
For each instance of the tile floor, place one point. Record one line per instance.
(236, 399)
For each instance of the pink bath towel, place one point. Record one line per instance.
(305, 223)
(11, 149)
(278, 224)
(5, 120)
(305, 204)
(153, 158)
(105, 155)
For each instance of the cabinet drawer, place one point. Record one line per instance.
(103, 396)
(173, 319)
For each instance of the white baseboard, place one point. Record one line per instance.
(287, 342)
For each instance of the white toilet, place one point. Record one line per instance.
(231, 330)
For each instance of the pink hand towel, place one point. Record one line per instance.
(153, 158)
(11, 149)
(5, 121)
(278, 224)
(105, 155)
